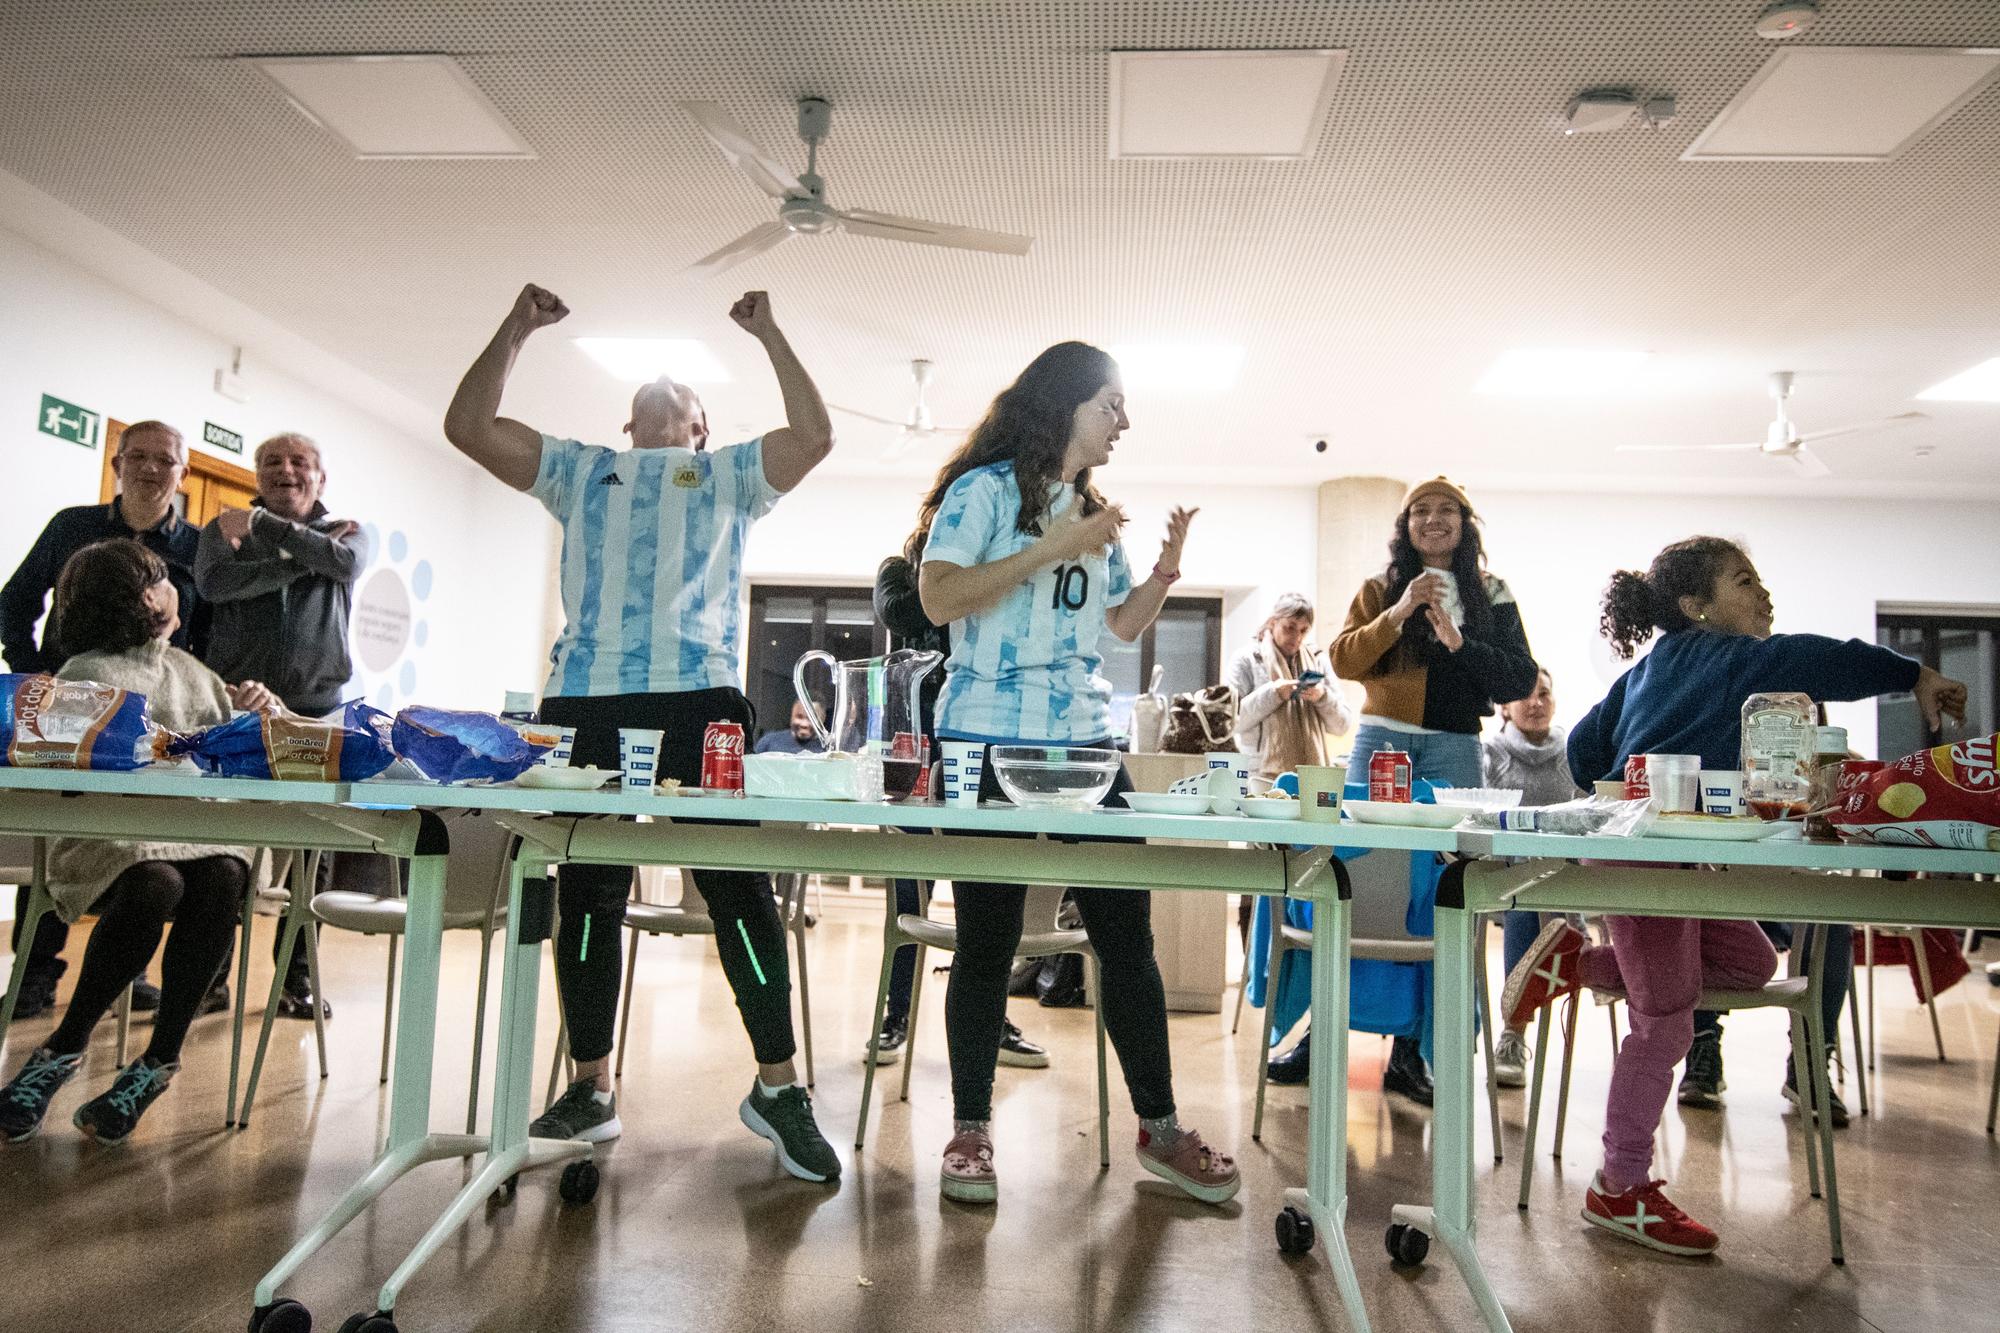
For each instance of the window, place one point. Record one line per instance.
(786, 623)
(1185, 642)
(1963, 644)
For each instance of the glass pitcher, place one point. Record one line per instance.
(876, 710)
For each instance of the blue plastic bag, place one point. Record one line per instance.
(446, 745)
(50, 723)
(296, 749)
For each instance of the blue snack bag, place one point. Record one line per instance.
(50, 723)
(447, 745)
(355, 747)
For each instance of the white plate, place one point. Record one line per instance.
(1265, 807)
(1166, 803)
(1407, 814)
(565, 779)
(1716, 830)
(1477, 798)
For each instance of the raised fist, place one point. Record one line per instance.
(752, 312)
(538, 307)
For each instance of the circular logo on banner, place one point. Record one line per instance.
(386, 629)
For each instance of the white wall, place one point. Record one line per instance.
(1827, 562)
(73, 334)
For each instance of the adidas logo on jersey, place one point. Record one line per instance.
(611, 479)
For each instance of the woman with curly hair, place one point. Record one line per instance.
(115, 611)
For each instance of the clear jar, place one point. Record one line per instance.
(1829, 753)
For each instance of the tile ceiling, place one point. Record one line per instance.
(1442, 219)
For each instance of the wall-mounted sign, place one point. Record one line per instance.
(67, 421)
(221, 438)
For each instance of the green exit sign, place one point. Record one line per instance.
(221, 437)
(67, 421)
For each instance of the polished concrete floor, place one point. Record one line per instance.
(696, 1228)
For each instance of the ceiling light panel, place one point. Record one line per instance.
(1563, 372)
(638, 360)
(1179, 367)
(1980, 384)
(1220, 104)
(396, 106)
(1843, 103)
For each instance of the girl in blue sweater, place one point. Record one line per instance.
(1685, 697)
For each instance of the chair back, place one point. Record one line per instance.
(17, 859)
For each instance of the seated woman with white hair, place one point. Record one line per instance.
(1287, 699)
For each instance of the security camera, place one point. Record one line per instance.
(1319, 446)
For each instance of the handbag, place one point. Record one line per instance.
(1201, 721)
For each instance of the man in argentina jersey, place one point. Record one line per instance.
(652, 585)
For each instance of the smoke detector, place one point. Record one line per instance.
(1786, 19)
(1599, 111)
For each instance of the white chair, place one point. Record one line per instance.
(1380, 884)
(1040, 938)
(1799, 993)
(475, 899)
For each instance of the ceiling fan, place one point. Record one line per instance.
(916, 429)
(1782, 439)
(802, 205)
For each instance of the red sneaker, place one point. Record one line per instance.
(1646, 1216)
(1546, 972)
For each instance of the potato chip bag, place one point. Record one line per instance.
(450, 745)
(50, 723)
(1943, 797)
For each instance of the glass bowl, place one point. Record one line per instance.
(1053, 775)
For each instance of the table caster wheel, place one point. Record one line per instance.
(281, 1317)
(1295, 1231)
(507, 1190)
(1408, 1246)
(369, 1323)
(579, 1182)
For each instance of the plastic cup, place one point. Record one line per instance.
(1320, 790)
(1722, 792)
(639, 757)
(1675, 780)
(1238, 767)
(964, 764)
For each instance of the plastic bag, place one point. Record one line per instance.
(1944, 797)
(447, 745)
(294, 749)
(50, 723)
(1608, 819)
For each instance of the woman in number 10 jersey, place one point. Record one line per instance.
(1022, 559)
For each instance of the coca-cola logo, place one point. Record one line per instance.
(725, 742)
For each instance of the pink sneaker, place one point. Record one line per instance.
(968, 1175)
(1192, 1166)
(1548, 971)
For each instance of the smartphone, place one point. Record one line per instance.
(1308, 678)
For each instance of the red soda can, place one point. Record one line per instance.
(722, 758)
(904, 746)
(1389, 776)
(1638, 787)
(923, 789)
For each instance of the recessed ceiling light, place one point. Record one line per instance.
(1981, 384)
(1179, 367)
(1563, 372)
(1843, 103)
(396, 106)
(637, 360)
(1220, 104)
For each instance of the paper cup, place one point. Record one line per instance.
(1237, 766)
(1320, 790)
(964, 763)
(1675, 780)
(1722, 792)
(639, 757)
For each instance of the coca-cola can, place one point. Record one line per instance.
(904, 746)
(1389, 776)
(722, 758)
(923, 788)
(1638, 787)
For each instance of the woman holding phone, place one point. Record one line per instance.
(1023, 562)
(1287, 704)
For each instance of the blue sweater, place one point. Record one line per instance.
(1686, 696)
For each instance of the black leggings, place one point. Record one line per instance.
(591, 898)
(1120, 926)
(204, 900)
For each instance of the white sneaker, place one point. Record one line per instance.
(1510, 1060)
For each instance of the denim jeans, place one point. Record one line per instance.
(1446, 757)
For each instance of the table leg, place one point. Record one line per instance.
(1449, 1218)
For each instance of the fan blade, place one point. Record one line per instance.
(890, 227)
(743, 247)
(1808, 462)
(744, 152)
(867, 416)
(912, 441)
(1885, 423)
(1684, 448)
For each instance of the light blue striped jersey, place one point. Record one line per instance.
(652, 563)
(1025, 669)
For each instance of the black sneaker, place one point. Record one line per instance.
(887, 1048)
(1293, 1068)
(25, 1101)
(38, 994)
(577, 1114)
(297, 1002)
(217, 999)
(1790, 1093)
(1018, 1051)
(1405, 1072)
(786, 1119)
(111, 1115)
(1701, 1081)
(145, 996)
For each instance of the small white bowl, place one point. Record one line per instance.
(1268, 807)
(1166, 803)
(1477, 798)
(565, 779)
